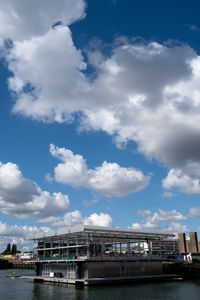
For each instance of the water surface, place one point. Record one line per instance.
(24, 289)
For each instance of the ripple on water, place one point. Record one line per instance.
(23, 289)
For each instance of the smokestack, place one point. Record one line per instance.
(182, 243)
(193, 242)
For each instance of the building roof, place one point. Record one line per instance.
(84, 231)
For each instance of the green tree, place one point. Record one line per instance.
(7, 250)
(14, 249)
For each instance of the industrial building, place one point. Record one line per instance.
(89, 254)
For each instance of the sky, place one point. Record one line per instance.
(99, 116)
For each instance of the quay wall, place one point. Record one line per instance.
(15, 264)
(5, 264)
(23, 265)
(190, 271)
(186, 270)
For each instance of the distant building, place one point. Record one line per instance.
(26, 256)
(188, 246)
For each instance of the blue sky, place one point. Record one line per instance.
(99, 116)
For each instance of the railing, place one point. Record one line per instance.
(107, 257)
(57, 258)
(103, 257)
(124, 257)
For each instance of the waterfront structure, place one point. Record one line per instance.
(182, 243)
(193, 242)
(188, 246)
(89, 254)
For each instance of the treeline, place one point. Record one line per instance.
(10, 250)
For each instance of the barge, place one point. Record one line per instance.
(89, 255)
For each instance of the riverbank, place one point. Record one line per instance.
(5, 264)
(16, 264)
(186, 270)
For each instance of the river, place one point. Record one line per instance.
(26, 289)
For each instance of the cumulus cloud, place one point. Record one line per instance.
(99, 220)
(176, 227)
(70, 219)
(75, 218)
(24, 198)
(131, 98)
(167, 221)
(162, 215)
(19, 235)
(47, 81)
(109, 179)
(194, 212)
(173, 228)
(144, 92)
(145, 104)
(21, 231)
(23, 19)
(186, 179)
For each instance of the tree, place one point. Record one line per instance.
(14, 249)
(8, 250)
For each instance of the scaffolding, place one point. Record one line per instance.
(89, 242)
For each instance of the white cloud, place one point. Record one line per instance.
(175, 228)
(186, 179)
(114, 181)
(73, 169)
(51, 220)
(70, 219)
(194, 212)
(75, 218)
(31, 63)
(24, 198)
(90, 203)
(21, 231)
(48, 177)
(99, 220)
(166, 221)
(162, 215)
(109, 179)
(137, 227)
(168, 194)
(144, 213)
(19, 235)
(23, 19)
(131, 98)
(144, 92)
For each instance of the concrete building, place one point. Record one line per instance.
(188, 246)
(89, 254)
(182, 243)
(193, 242)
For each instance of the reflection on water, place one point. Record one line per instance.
(24, 289)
